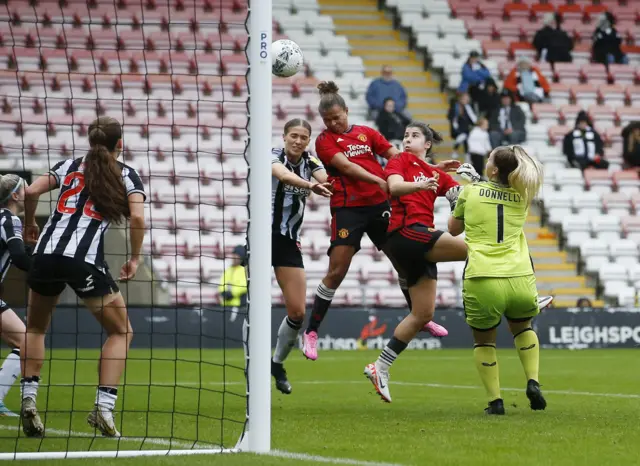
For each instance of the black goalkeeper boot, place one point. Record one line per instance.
(536, 400)
(280, 375)
(495, 407)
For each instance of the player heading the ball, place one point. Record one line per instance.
(95, 191)
(359, 203)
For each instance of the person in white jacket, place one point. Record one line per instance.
(479, 144)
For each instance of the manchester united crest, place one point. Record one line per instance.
(362, 137)
(343, 233)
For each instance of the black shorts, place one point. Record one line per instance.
(4, 306)
(51, 273)
(285, 252)
(348, 224)
(408, 246)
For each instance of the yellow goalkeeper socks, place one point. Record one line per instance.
(487, 364)
(528, 348)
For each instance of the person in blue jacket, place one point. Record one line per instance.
(383, 88)
(474, 76)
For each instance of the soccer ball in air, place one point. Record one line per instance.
(286, 58)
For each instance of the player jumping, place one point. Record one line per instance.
(95, 191)
(414, 242)
(12, 329)
(359, 203)
(293, 170)
(499, 277)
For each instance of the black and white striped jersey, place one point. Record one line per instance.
(75, 229)
(288, 202)
(10, 229)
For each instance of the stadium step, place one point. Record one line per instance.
(548, 245)
(372, 37)
(575, 282)
(554, 257)
(555, 270)
(537, 232)
(569, 295)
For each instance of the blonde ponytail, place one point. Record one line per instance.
(528, 176)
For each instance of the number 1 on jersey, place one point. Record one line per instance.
(500, 234)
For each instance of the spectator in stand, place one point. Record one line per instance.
(584, 303)
(233, 283)
(474, 77)
(461, 117)
(527, 82)
(583, 145)
(507, 124)
(631, 145)
(490, 100)
(383, 88)
(552, 43)
(390, 123)
(479, 145)
(607, 42)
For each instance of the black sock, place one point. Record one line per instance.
(109, 390)
(391, 352)
(321, 304)
(34, 378)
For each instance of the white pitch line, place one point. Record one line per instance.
(363, 382)
(65, 434)
(429, 385)
(325, 459)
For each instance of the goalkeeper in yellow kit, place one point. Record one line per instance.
(499, 277)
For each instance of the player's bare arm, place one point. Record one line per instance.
(287, 177)
(344, 166)
(41, 185)
(456, 226)
(399, 187)
(136, 236)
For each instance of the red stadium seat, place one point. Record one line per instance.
(626, 179)
(568, 73)
(625, 115)
(595, 177)
(595, 73)
(612, 94)
(547, 112)
(571, 11)
(516, 10)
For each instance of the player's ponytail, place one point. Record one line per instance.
(329, 97)
(102, 174)
(9, 184)
(518, 169)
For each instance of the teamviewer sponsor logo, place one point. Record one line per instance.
(354, 150)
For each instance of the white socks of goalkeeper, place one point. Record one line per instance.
(287, 338)
(106, 398)
(9, 372)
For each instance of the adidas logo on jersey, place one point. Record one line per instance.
(354, 150)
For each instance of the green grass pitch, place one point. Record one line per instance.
(436, 416)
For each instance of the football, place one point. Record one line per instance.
(287, 58)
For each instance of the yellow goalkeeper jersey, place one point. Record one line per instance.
(494, 218)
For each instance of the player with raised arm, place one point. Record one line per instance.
(95, 191)
(359, 203)
(413, 240)
(295, 175)
(12, 251)
(499, 276)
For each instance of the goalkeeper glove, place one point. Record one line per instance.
(469, 173)
(452, 196)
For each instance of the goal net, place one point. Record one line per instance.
(176, 74)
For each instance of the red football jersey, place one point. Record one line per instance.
(359, 144)
(417, 207)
